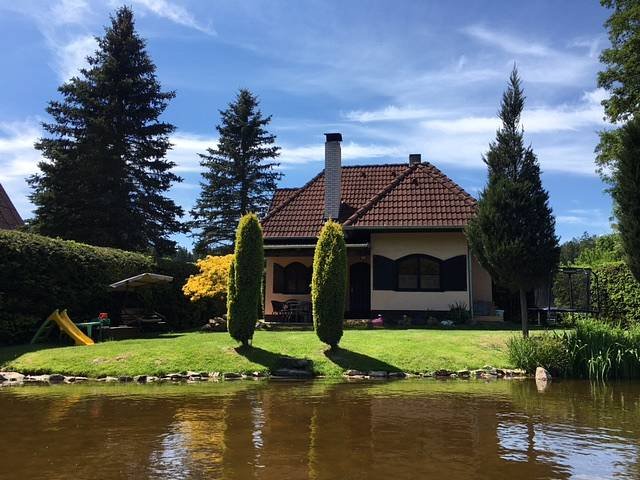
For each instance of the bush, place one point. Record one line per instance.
(329, 284)
(595, 349)
(40, 274)
(208, 288)
(246, 287)
(459, 313)
(547, 350)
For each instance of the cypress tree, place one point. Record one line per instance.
(245, 282)
(329, 284)
(513, 233)
(239, 175)
(626, 193)
(106, 173)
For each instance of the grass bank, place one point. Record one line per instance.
(390, 350)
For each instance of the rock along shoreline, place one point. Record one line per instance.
(9, 379)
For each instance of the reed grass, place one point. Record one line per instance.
(594, 349)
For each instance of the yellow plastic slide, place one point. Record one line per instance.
(68, 327)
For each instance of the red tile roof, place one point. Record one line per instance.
(9, 216)
(395, 195)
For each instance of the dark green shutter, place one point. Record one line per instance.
(453, 274)
(384, 273)
(278, 278)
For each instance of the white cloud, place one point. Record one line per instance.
(390, 113)
(292, 155)
(508, 43)
(71, 57)
(174, 13)
(186, 147)
(593, 218)
(70, 12)
(18, 160)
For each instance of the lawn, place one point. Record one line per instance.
(389, 350)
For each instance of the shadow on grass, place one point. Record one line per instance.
(346, 359)
(10, 353)
(272, 361)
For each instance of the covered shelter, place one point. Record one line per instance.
(136, 317)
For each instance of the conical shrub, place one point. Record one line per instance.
(329, 284)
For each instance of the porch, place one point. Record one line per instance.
(288, 282)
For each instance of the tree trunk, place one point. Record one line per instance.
(524, 313)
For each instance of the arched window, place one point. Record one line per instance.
(295, 278)
(418, 273)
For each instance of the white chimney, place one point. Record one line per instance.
(332, 175)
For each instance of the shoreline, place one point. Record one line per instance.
(14, 379)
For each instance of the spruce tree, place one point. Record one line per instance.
(329, 284)
(245, 280)
(626, 193)
(239, 174)
(105, 175)
(513, 233)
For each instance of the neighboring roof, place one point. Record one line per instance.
(9, 216)
(373, 196)
(142, 280)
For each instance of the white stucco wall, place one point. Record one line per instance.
(442, 245)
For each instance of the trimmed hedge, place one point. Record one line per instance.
(246, 284)
(329, 284)
(619, 293)
(39, 274)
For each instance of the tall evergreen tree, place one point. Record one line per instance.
(239, 175)
(105, 174)
(626, 193)
(513, 233)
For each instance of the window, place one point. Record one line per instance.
(418, 272)
(295, 278)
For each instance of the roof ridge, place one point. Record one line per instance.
(378, 196)
(292, 197)
(287, 188)
(447, 182)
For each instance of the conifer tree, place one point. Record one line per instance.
(626, 193)
(513, 233)
(239, 174)
(105, 175)
(245, 280)
(329, 284)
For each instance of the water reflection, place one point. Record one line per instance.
(323, 430)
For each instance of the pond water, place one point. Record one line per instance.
(418, 429)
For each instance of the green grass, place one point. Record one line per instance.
(390, 350)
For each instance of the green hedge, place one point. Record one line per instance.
(39, 274)
(245, 283)
(619, 293)
(329, 284)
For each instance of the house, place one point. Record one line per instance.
(403, 225)
(9, 216)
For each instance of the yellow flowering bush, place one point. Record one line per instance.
(211, 282)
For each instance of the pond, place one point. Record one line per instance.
(405, 429)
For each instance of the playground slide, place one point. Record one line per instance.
(68, 327)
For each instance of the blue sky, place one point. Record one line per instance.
(394, 77)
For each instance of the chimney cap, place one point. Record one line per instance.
(415, 158)
(333, 137)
